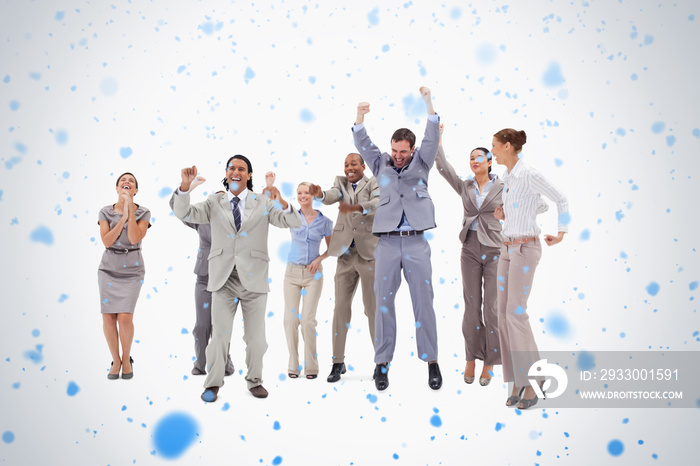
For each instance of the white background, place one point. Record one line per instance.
(605, 90)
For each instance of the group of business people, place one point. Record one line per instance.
(378, 234)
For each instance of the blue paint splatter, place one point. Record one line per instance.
(59, 15)
(486, 53)
(585, 235)
(499, 426)
(306, 116)
(670, 140)
(61, 137)
(109, 86)
(72, 389)
(373, 17)
(312, 79)
(395, 456)
(14, 105)
(165, 192)
(225, 407)
(615, 447)
(565, 218)
(585, 361)
(519, 310)
(658, 127)
(277, 460)
(558, 162)
(36, 332)
(648, 39)
(174, 433)
(693, 286)
(620, 132)
(653, 288)
(696, 132)
(413, 107)
(8, 436)
(42, 234)
(276, 425)
(435, 421)
(62, 298)
(184, 331)
(558, 325)
(249, 74)
(318, 276)
(385, 48)
(552, 76)
(455, 13)
(287, 189)
(372, 398)
(619, 215)
(207, 28)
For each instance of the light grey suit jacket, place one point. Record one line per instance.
(355, 225)
(201, 265)
(245, 249)
(406, 191)
(489, 228)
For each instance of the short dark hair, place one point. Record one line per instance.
(404, 134)
(127, 173)
(249, 185)
(516, 138)
(485, 151)
(362, 161)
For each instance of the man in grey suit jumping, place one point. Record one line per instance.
(238, 264)
(404, 212)
(353, 243)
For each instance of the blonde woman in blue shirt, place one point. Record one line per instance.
(304, 278)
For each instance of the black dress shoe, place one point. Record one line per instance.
(434, 376)
(381, 376)
(338, 368)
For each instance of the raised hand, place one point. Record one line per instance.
(197, 181)
(270, 179)
(315, 190)
(552, 240)
(188, 175)
(427, 97)
(362, 110)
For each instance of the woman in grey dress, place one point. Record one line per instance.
(120, 275)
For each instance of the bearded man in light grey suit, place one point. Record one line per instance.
(353, 243)
(238, 264)
(404, 212)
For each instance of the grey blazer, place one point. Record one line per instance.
(201, 265)
(355, 225)
(245, 249)
(406, 191)
(489, 228)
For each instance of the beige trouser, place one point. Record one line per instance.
(300, 282)
(516, 271)
(350, 269)
(224, 304)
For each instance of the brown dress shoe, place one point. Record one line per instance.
(210, 394)
(259, 391)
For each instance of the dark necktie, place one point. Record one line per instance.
(354, 186)
(236, 212)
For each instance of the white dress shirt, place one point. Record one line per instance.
(522, 189)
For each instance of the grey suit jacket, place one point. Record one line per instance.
(489, 228)
(201, 265)
(355, 225)
(245, 249)
(406, 191)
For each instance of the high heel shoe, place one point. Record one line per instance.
(514, 399)
(112, 376)
(129, 375)
(528, 403)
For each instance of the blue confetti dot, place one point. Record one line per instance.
(225, 407)
(653, 288)
(174, 433)
(373, 17)
(658, 127)
(65, 175)
(109, 86)
(435, 421)
(165, 192)
(499, 426)
(277, 460)
(693, 286)
(184, 331)
(36, 332)
(306, 116)
(385, 48)
(42, 234)
(615, 447)
(585, 361)
(72, 389)
(61, 137)
(276, 425)
(59, 15)
(585, 235)
(552, 76)
(181, 68)
(287, 189)
(318, 275)
(8, 436)
(486, 53)
(372, 398)
(670, 140)
(519, 310)
(249, 74)
(558, 162)
(125, 152)
(565, 218)
(14, 105)
(556, 324)
(395, 456)
(455, 13)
